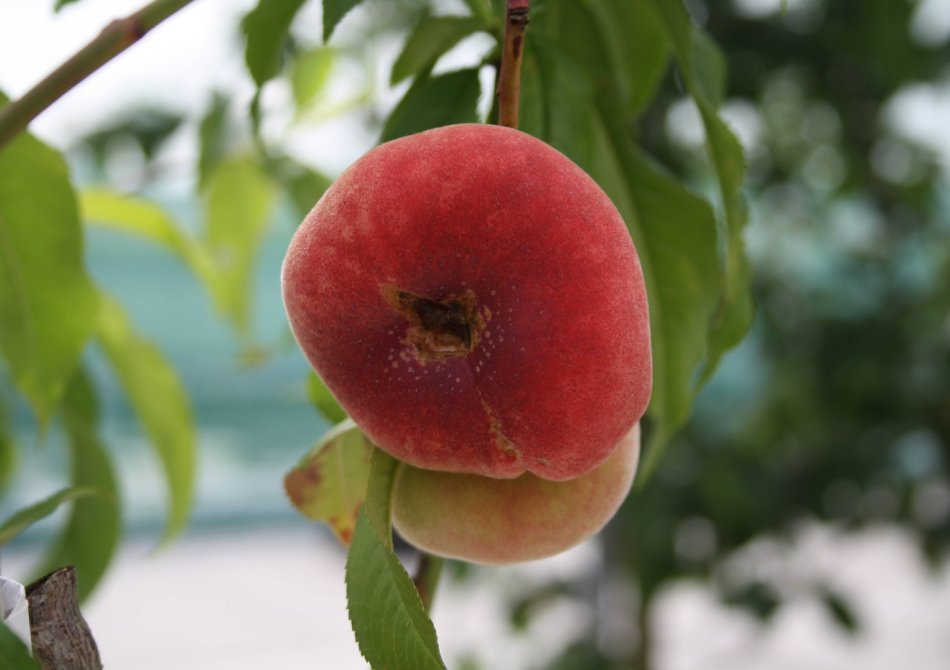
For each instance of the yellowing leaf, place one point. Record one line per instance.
(128, 214)
(329, 484)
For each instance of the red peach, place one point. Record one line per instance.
(474, 301)
(498, 521)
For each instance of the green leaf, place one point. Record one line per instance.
(675, 234)
(128, 214)
(302, 184)
(674, 230)
(481, 9)
(709, 66)
(13, 653)
(329, 483)
(433, 102)
(90, 537)
(62, 3)
(238, 205)
(703, 69)
(323, 400)
(434, 36)
(22, 519)
(333, 13)
(638, 50)
(309, 74)
(840, 611)
(47, 303)
(566, 104)
(213, 137)
(734, 314)
(8, 449)
(305, 186)
(159, 401)
(266, 29)
(391, 626)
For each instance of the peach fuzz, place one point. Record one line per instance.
(500, 521)
(475, 302)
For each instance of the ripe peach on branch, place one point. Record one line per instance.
(474, 301)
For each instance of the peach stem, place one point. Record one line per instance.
(509, 76)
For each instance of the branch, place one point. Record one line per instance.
(426, 578)
(113, 40)
(509, 77)
(61, 637)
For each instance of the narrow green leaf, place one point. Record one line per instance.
(570, 26)
(703, 69)
(309, 74)
(266, 29)
(481, 9)
(90, 537)
(301, 183)
(333, 13)
(433, 102)
(62, 3)
(533, 111)
(675, 234)
(323, 400)
(8, 449)
(567, 98)
(128, 214)
(238, 206)
(841, 611)
(709, 66)
(305, 187)
(391, 626)
(47, 303)
(434, 36)
(734, 314)
(674, 230)
(638, 50)
(22, 519)
(213, 135)
(13, 653)
(159, 401)
(329, 483)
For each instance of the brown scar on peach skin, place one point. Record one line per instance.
(441, 329)
(502, 443)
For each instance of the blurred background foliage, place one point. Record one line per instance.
(835, 407)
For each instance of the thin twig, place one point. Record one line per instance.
(426, 578)
(113, 40)
(509, 76)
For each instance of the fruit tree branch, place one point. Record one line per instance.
(426, 578)
(61, 638)
(113, 40)
(509, 76)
